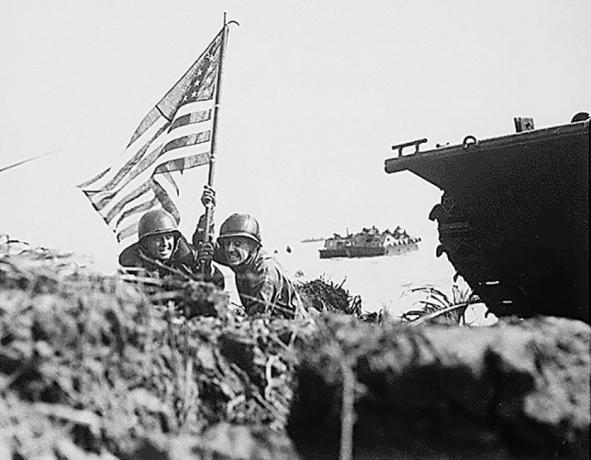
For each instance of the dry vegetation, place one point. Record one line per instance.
(95, 366)
(101, 365)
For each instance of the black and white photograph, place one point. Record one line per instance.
(294, 229)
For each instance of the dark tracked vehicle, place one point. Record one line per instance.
(514, 216)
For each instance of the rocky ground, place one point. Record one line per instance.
(93, 366)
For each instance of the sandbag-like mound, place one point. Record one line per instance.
(518, 389)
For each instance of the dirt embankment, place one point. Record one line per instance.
(111, 367)
(520, 388)
(102, 367)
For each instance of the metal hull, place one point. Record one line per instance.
(356, 252)
(514, 218)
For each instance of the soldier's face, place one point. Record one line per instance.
(237, 249)
(160, 246)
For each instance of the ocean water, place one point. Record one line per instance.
(381, 282)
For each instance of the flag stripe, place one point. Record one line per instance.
(140, 170)
(175, 135)
(194, 106)
(166, 201)
(166, 175)
(153, 116)
(129, 155)
(145, 206)
(128, 231)
(187, 129)
(134, 165)
(127, 199)
(95, 178)
(180, 164)
(193, 117)
(104, 198)
(148, 160)
(183, 141)
(158, 191)
(170, 102)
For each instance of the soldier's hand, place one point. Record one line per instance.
(205, 253)
(208, 196)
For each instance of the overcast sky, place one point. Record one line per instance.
(314, 93)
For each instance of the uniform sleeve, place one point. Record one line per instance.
(129, 256)
(264, 292)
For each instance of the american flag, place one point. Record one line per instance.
(175, 135)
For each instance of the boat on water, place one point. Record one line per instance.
(312, 240)
(370, 242)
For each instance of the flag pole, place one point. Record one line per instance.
(207, 237)
(211, 175)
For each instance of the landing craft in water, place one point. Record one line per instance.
(370, 242)
(514, 216)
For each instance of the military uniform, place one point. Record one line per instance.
(183, 258)
(262, 284)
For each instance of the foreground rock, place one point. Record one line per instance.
(520, 388)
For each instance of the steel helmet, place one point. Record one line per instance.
(241, 225)
(155, 222)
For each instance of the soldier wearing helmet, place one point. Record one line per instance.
(261, 282)
(161, 247)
